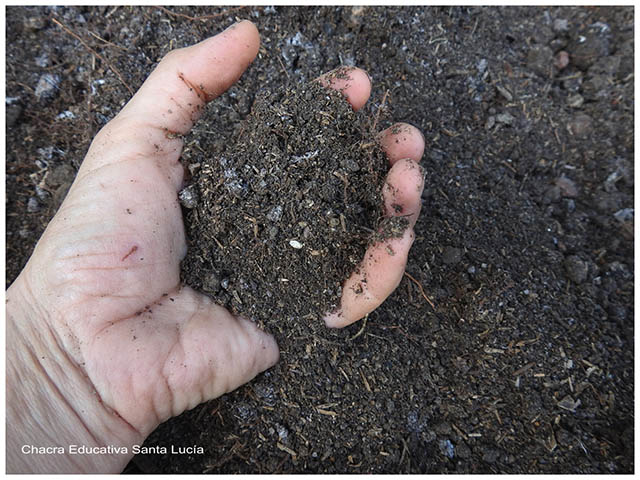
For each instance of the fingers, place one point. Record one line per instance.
(378, 276)
(402, 141)
(384, 262)
(402, 190)
(353, 82)
(186, 79)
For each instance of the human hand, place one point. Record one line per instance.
(98, 322)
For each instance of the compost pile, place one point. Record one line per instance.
(283, 216)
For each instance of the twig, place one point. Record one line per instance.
(384, 100)
(203, 17)
(282, 65)
(113, 69)
(107, 42)
(364, 324)
(421, 290)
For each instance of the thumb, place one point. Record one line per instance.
(214, 353)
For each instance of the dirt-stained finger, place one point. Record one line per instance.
(352, 82)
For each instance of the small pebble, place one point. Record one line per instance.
(33, 205)
(47, 86)
(576, 269)
(575, 101)
(188, 196)
(560, 25)
(505, 93)
(295, 244)
(539, 59)
(561, 60)
(624, 215)
(451, 255)
(505, 118)
(567, 187)
(580, 126)
(447, 448)
(211, 283)
(275, 214)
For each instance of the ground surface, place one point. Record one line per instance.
(525, 243)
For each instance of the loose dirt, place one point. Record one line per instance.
(280, 219)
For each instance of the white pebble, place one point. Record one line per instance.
(295, 244)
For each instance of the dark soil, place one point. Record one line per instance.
(279, 220)
(524, 244)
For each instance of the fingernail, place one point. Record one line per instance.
(231, 27)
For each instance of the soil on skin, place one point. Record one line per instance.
(279, 220)
(525, 364)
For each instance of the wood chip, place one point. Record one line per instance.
(520, 371)
(321, 411)
(492, 350)
(284, 448)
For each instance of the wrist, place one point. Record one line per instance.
(51, 402)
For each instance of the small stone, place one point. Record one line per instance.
(211, 283)
(539, 59)
(34, 23)
(561, 60)
(43, 60)
(491, 121)
(587, 48)
(33, 205)
(60, 174)
(295, 244)
(357, 15)
(447, 448)
(505, 118)
(443, 428)
(596, 86)
(580, 126)
(505, 93)
(47, 86)
(188, 197)
(350, 165)
(576, 269)
(551, 195)
(558, 44)
(490, 455)
(451, 255)
(275, 214)
(568, 403)
(567, 187)
(560, 25)
(624, 215)
(482, 65)
(575, 101)
(66, 115)
(42, 194)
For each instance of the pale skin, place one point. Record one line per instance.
(83, 367)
